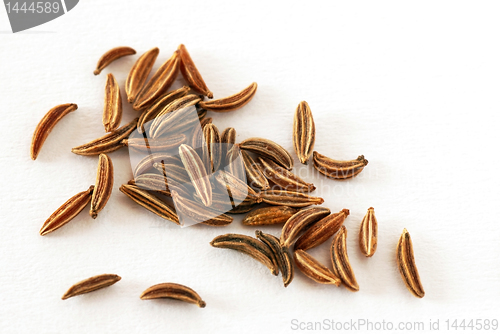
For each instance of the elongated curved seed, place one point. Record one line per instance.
(139, 73)
(91, 284)
(173, 172)
(270, 215)
(228, 138)
(150, 160)
(341, 266)
(198, 136)
(284, 178)
(46, 125)
(112, 114)
(197, 173)
(283, 259)
(112, 55)
(159, 83)
(159, 105)
(268, 149)
(299, 222)
(107, 143)
(173, 291)
(321, 231)
(211, 152)
(232, 102)
(235, 165)
(368, 234)
(254, 173)
(103, 185)
(336, 169)
(235, 187)
(313, 269)
(159, 183)
(407, 266)
(198, 212)
(147, 145)
(178, 113)
(69, 210)
(248, 245)
(304, 132)
(191, 73)
(150, 202)
(289, 198)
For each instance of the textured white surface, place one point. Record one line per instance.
(412, 87)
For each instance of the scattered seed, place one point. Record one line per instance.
(304, 132)
(268, 149)
(407, 266)
(191, 73)
(341, 265)
(336, 169)
(313, 269)
(173, 291)
(91, 284)
(112, 114)
(232, 102)
(139, 74)
(299, 222)
(103, 185)
(112, 55)
(368, 234)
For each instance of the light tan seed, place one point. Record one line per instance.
(103, 185)
(289, 198)
(283, 259)
(91, 284)
(173, 172)
(235, 165)
(173, 291)
(268, 149)
(313, 269)
(407, 266)
(299, 222)
(211, 152)
(254, 173)
(191, 73)
(197, 173)
(159, 83)
(191, 120)
(368, 234)
(221, 202)
(159, 105)
(321, 231)
(69, 210)
(139, 73)
(112, 114)
(235, 187)
(270, 215)
(46, 125)
(341, 265)
(150, 202)
(159, 183)
(336, 169)
(148, 162)
(112, 55)
(147, 145)
(198, 136)
(107, 143)
(284, 178)
(232, 102)
(227, 139)
(248, 245)
(198, 212)
(304, 132)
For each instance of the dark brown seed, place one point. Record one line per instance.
(407, 266)
(299, 222)
(284, 178)
(268, 149)
(281, 255)
(254, 173)
(341, 266)
(336, 169)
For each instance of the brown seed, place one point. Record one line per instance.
(235, 165)
(304, 132)
(254, 173)
(173, 172)
(148, 162)
(336, 169)
(211, 152)
(91, 284)
(112, 55)
(235, 187)
(197, 173)
(103, 185)
(150, 202)
(228, 139)
(341, 266)
(283, 259)
(313, 269)
(198, 136)
(107, 143)
(46, 125)
(248, 245)
(198, 212)
(139, 73)
(191, 73)
(321, 231)
(173, 291)
(269, 215)
(268, 149)
(284, 178)
(223, 203)
(112, 114)
(159, 105)
(299, 222)
(159, 183)
(146, 145)
(368, 234)
(159, 83)
(232, 102)
(289, 198)
(407, 266)
(67, 211)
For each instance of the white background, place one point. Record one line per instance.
(413, 87)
